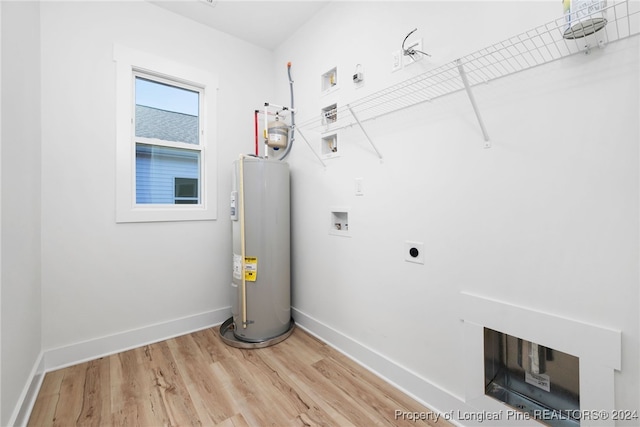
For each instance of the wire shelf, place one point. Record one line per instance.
(532, 48)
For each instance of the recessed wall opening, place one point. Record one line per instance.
(329, 80)
(339, 225)
(538, 380)
(329, 147)
(330, 114)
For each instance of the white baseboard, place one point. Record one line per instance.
(50, 360)
(21, 413)
(398, 376)
(104, 346)
(420, 389)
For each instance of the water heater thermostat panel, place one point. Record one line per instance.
(234, 205)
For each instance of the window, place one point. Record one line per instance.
(167, 129)
(186, 191)
(165, 148)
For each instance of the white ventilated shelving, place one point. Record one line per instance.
(538, 46)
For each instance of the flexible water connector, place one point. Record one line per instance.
(255, 122)
(293, 116)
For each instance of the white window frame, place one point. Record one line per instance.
(129, 63)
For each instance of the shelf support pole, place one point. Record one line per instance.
(364, 131)
(465, 81)
(310, 147)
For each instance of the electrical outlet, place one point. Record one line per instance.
(396, 60)
(417, 56)
(414, 252)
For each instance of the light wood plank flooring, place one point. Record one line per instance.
(197, 380)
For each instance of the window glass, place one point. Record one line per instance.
(166, 154)
(186, 191)
(157, 169)
(166, 112)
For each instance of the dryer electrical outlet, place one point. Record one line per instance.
(414, 252)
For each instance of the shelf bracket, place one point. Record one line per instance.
(364, 131)
(465, 81)
(310, 147)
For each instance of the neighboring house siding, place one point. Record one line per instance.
(166, 125)
(156, 166)
(156, 170)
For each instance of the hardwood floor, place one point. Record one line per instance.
(197, 380)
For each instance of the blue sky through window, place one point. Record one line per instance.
(166, 97)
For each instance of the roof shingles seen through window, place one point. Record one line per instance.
(166, 125)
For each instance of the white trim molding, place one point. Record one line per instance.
(599, 350)
(61, 357)
(128, 61)
(22, 411)
(444, 404)
(73, 354)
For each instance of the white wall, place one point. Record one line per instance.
(20, 202)
(0, 219)
(101, 278)
(546, 219)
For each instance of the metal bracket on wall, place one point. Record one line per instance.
(538, 46)
(465, 81)
(310, 147)
(364, 131)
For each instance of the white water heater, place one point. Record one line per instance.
(261, 284)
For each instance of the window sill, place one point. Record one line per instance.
(168, 214)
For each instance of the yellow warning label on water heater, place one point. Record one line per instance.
(250, 268)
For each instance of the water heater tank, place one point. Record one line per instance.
(261, 285)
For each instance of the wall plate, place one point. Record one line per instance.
(414, 44)
(359, 187)
(414, 252)
(396, 60)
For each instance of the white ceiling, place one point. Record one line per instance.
(263, 23)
